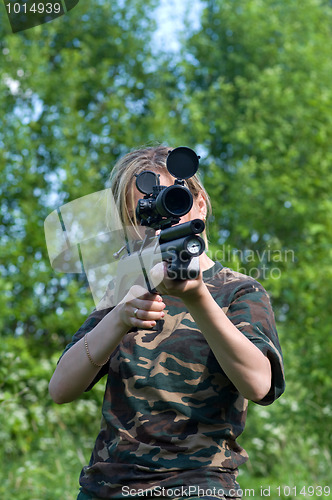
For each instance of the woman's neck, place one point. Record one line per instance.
(205, 262)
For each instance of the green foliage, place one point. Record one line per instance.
(251, 91)
(40, 440)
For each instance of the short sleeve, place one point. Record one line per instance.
(251, 312)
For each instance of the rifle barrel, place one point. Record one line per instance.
(195, 226)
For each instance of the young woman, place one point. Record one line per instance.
(176, 397)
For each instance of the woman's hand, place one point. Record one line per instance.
(140, 308)
(184, 289)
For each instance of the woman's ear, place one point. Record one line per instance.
(201, 206)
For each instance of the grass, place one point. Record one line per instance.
(45, 474)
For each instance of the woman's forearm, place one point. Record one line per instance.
(75, 371)
(244, 364)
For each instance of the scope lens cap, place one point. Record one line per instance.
(182, 162)
(145, 181)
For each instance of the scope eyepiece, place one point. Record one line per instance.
(174, 201)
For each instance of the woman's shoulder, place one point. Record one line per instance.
(231, 283)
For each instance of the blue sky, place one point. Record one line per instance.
(170, 15)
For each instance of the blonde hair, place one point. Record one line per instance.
(148, 158)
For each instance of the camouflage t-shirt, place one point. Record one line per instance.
(170, 416)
